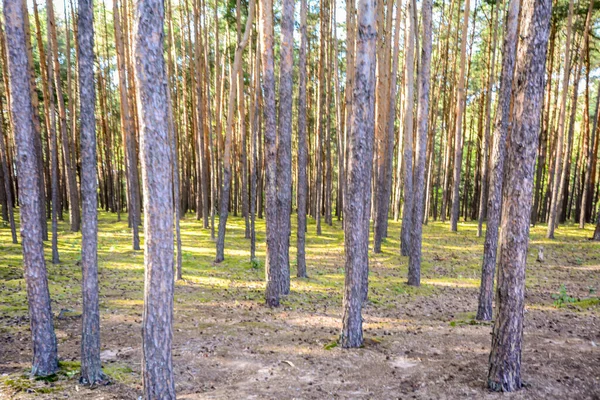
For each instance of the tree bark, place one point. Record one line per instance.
(272, 268)
(151, 85)
(505, 358)
(486, 136)
(7, 185)
(414, 264)
(357, 200)
(302, 185)
(68, 156)
(226, 188)
(407, 158)
(553, 214)
(284, 142)
(128, 131)
(45, 361)
(91, 368)
(502, 125)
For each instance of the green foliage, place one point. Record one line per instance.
(561, 298)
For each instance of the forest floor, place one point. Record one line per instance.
(420, 343)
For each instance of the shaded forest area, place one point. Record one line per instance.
(299, 199)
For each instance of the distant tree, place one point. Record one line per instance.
(151, 85)
(45, 360)
(507, 338)
(357, 200)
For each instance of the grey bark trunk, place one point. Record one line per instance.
(226, 188)
(407, 145)
(302, 185)
(284, 142)
(153, 115)
(502, 124)
(414, 264)
(558, 165)
(272, 268)
(357, 200)
(45, 361)
(505, 358)
(91, 368)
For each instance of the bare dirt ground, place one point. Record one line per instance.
(420, 343)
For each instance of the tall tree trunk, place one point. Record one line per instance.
(6, 178)
(505, 358)
(45, 361)
(358, 191)
(55, 184)
(91, 369)
(302, 185)
(284, 142)
(484, 310)
(458, 135)
(272, 267)
(151, 85)
(486, 136)
(414, 265)
(586, 197)
(553, 214)
(407, 158)
(226, 188)
(68, 156)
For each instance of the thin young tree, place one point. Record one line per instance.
(414, 264)
(407, 137)
(488, 268)
(45, 359)
(302, 184)
(507, 338)
(91, 367)
(458, 134)
(153, 116)
(7, 186)
(357, 201)
(226, 186)
(558, 158)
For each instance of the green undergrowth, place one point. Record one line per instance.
(449, 260)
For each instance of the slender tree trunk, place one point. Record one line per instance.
(151, 85)
(45, 361)
(68, 156)
(51, 111)
(128, 131)
(407, 158)
(553, 214)
(7, 185)
(226, 188)
(91, 368)
(302, 185)
(505, 358)
(284, 142)
(458, 135)
(44, 173)
(586, 197)
(486, 136)
(273, 270)
(484, 310)
(358, 192)
(414, 265)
